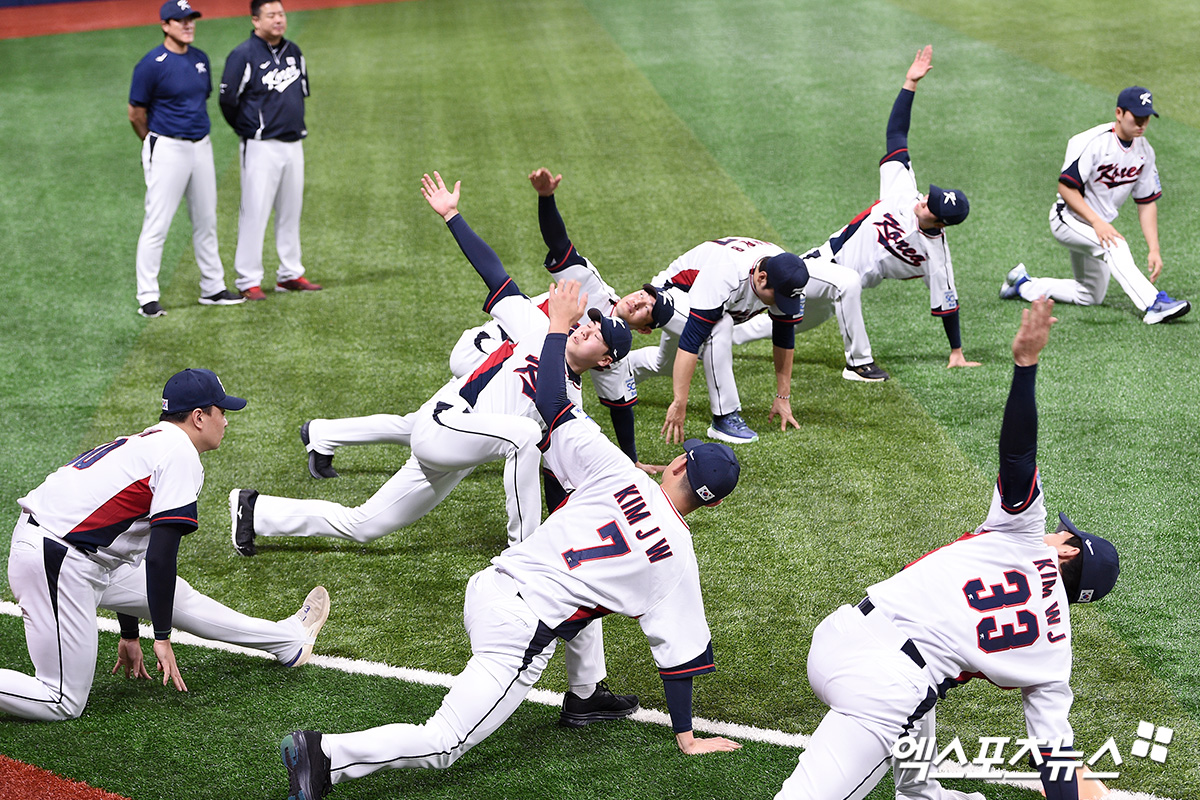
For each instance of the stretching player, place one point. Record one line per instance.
(900, 236)
(103, 532)
(168, 111)
(715, 286)
(642, 311)
(1105, 165)
(619, 545)
(993, 604)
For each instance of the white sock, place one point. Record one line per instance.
(583, 690)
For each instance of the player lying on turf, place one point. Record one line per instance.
(994, 604)
(619, 545)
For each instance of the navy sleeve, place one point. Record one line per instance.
(953, 333)
(551, 394)
(897, 128)
(1018, 441)
(679, 703)
(161, 557)
(485, 261)
(554, 233)
(783, 334)
(129, 626)
(622, 420)
(698, 328)
(231, 81)
(1071, 177)
(556, 495)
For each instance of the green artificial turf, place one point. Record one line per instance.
(673, 122)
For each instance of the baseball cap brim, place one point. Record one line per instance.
(231, 403)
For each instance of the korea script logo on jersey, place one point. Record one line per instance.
(280, 79)
(890, 236)
(1113, 176)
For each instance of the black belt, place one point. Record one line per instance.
(908, 648)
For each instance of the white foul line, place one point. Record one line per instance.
(544, 697)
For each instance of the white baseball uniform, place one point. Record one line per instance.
(1107, 171)
(79, 545)
(617, 546)
(715, 274)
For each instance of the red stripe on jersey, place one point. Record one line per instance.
(937, 312)
(132, 502)
(496, 294)
(497, 357)
(544, 307)
(864, 214)
(1149, 199)
(702, 319)
(685, 278)
(1032, 493)
(962, 538)
(690, 671)
(589, 613)
(169, 520)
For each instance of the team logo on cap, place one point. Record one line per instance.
(798, 292)
(951, 198)
(1085, 596)
(706, 494)
(183, 5)
(1145, 98)
(165, 404)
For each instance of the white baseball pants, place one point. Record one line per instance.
(272, 178)
(1092, 263)
(174, 169)
(510, 648)
(832, 291)
(873, 690)
(716, 354)
(447, 443)
(59, 589)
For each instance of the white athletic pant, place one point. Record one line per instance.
(584, 654)
(272, 178)
(510, 648)
(874, 692)
(1091, 263)
(716, 354)
(174, 169)
(832, 290)
(59, 590)
(446, 445)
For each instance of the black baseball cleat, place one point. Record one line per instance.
(319, 464)
(307, 766)
(241, 515)
(602, 706)
(869, 373)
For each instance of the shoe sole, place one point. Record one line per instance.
(204, 301)
(279, 288)
(851, 375)
(583, 720)
(233, 522)
(152, 316)
(1176, 314)
(713, 433)
(313, 630)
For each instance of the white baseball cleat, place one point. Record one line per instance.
(312, 615)
(1011, 288)
(1165, 307)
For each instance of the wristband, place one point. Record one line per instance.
(163, 635)
(783, 397)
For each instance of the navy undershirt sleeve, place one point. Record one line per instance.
(698, 328)
(953, 333)
(679, 703)
(897, 127)
(129, 626)
(1018, 439)
(482, 257)
(1059, 789)
(554, 230)
(551, 395)
(162, 555)
(783, 334)
(622, 420)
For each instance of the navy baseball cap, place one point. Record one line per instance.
(615, 332)
(663, 309)
(178, 9)
(948, 205)
(712, 470)
(787, 274)
(197, 388)
(1100, 563)
(1138, 100)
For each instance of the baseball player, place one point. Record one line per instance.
(1104, 166)
(713, 287)
(168, 112)
(103, 531)
(994, 605)
(619, 545)
(262, 97)
(899, 236)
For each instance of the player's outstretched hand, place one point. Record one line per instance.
(1154, 266)
(693, 746)
(957, 359)
(1106, 233)
(544, 182)
(439, 198)
(129, 656)
(651, 469)
(920, 67)
(1034, 332)
(565, 305)
(166, 664)
(784, 409)
(672, 428)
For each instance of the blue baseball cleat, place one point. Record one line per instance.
(1165, 308)
(307, 767)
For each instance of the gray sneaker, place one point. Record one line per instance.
(312, 615)
(222, 298)
(1011, 288)
(152, 309)
(732, 428)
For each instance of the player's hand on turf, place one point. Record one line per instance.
(1034, 332)
(544, 182)
(957, 359)
(920, 67)
(1106, 233)
(1154, 265)
(166, 664)
(651, 469)
(565, 305)
(439, 197)
(784, 409)
(693, 746)
(672, 428)
(129, 656)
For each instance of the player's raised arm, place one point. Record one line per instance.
(565, 305)
(1018, 432)
(920, 67)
